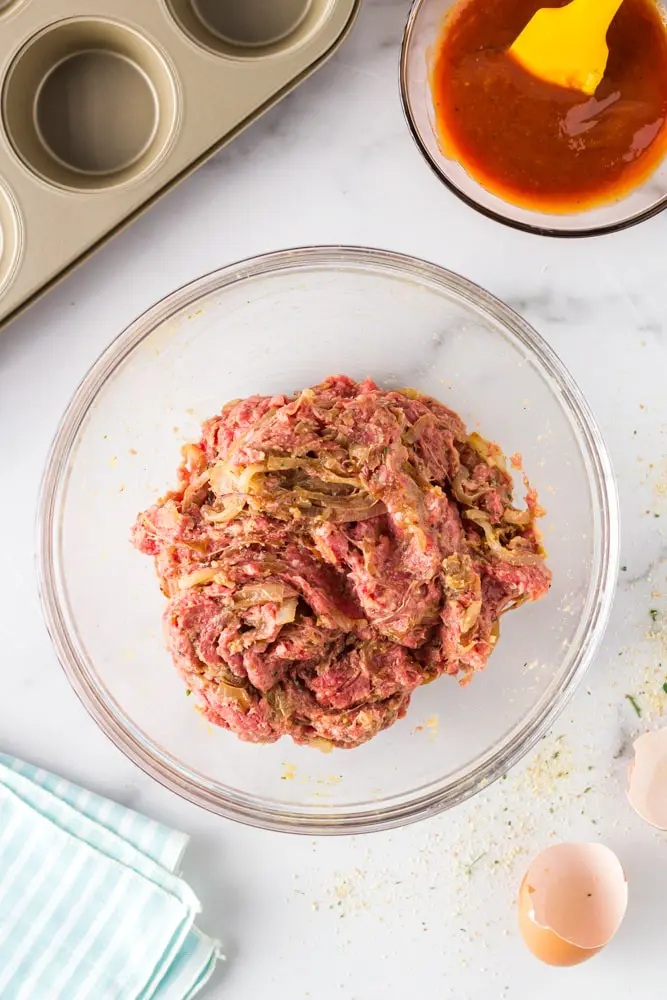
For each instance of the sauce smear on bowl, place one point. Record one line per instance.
(539, 145)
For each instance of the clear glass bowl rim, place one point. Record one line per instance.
(247, 809)
(525, 227)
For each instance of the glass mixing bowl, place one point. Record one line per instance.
(422, 32)
(278, 323)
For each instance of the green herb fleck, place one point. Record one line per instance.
(624, 569)
(587, 790)
(473, 863)
(654, 614)
(633, 702)
(188, 692)
(664, 687)
(555, 755)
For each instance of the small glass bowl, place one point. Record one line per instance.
(422, 33)
(278, 323)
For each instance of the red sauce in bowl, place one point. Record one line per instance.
(539, 145)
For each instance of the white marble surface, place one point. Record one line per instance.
(393, 914)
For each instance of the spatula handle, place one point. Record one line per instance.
(600, 12)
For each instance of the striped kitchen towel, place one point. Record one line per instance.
(91, 903)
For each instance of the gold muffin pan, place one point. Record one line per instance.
(109, 103)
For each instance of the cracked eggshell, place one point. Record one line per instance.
(571, 903)
(647, 785)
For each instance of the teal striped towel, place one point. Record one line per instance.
(91, 904)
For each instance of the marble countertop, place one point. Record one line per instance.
(407, 911)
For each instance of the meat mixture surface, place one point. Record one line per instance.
(326, 553)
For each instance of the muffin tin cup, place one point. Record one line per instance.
(107, 103)
(89, 103)
(11, 238)
(249, 28)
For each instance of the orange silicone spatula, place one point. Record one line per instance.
(568, 45)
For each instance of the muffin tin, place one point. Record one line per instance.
(107, 103)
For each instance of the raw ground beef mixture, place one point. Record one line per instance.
(326, 553)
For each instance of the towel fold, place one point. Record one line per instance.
(91, 903)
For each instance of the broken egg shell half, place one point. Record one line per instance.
(571, 903)
(647, 784)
